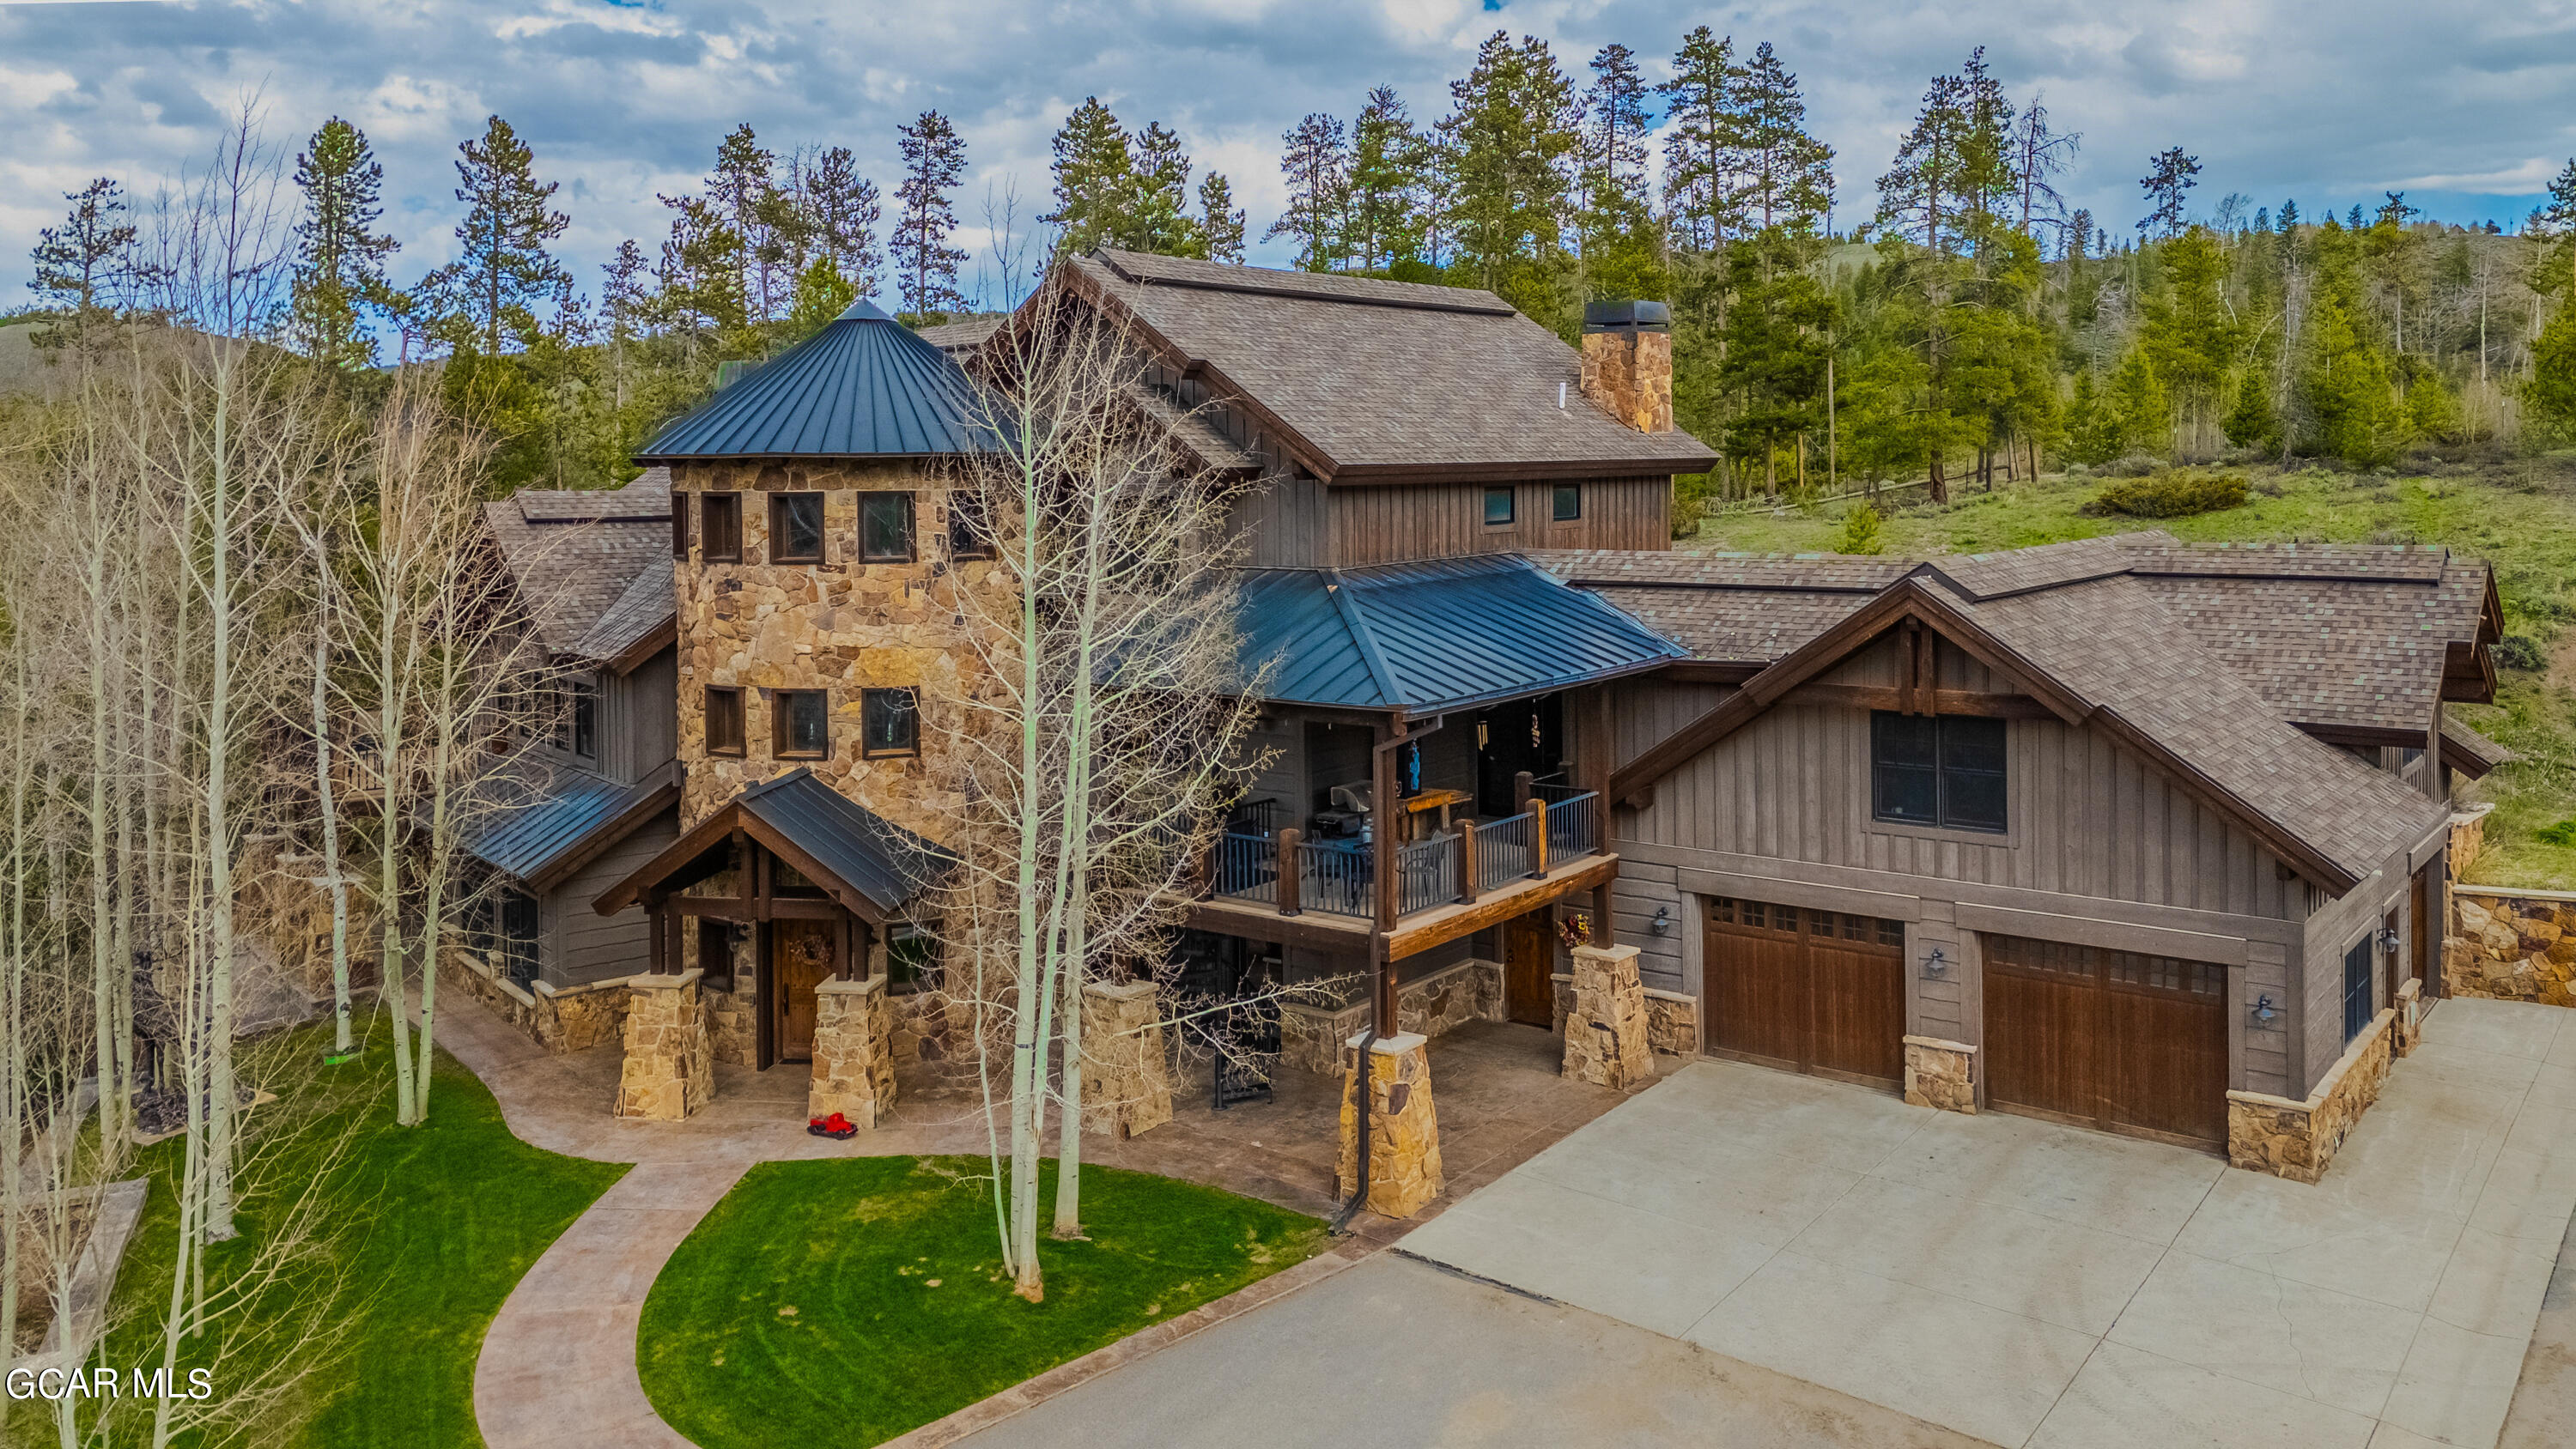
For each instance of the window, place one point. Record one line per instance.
(724, 721)
(721, 526)
(801, 726)
(970, 534)
(795, 528)
(1942, 770)
(715, 953)
(519, 935)
(679, 525)
(885, 527)
(889, 722)
(1498, 506)
(912, 960)
(584, 711)
(2357, 1008)
(1569, 502)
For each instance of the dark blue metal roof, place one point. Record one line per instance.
(863, 387)
(528, 819)
(1425, 637)
(871, 855)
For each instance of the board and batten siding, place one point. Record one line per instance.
(583, 945)
(1396, 522)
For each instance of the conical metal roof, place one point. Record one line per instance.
(863, 387)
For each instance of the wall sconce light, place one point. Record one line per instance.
(1936, 965)
(2388, 941)
(2263, 1013)
(1663, 921)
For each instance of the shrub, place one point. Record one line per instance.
(2520, 651)
(1861, 533)
(2135, 465)
(2171, 495)
(2562, 833)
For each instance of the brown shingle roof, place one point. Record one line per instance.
(574, 555)
(1386, 380)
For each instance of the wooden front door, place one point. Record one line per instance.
(1529, 968)
(2111, 1039)
(800, 954)
(1814, 991)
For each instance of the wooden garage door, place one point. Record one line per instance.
(1819, 991)
(2110, 1039)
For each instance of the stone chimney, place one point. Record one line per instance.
(1628, 362)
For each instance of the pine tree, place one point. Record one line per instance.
(2560, 209)
(1788, 173)
(842, 211)
(1094, 175)
(1155, 217)
(1388, 186)
(738, 188)
(84, 268)
(2253, 423)
(2550, 392)
(934, 161)
(2138, 408)
(2038, 153)
(1702, 151)
(1510, 132)
(2170, 174)
(339, 260)
(1987, 180)
(490, 292)
(701, 276)
(1313, 161)
(2075, 242)
(1220, 220)
(1614, 148)
(1922, 190)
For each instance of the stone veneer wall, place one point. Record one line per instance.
(2297, 1140)
(1605, 1031)
(1404, 1130)
(852, 1073)
(1941, 1074)
(2511, 946)
(668, 1072)
(560, 1019)
(1672, 1019)
(839, 625)
(1311, 1036)
(1126, 1074)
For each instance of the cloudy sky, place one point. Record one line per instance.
(2468, 107)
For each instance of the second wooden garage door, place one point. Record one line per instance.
(2111, 1039)
(1819, 991)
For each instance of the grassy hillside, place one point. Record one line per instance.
(2520, 516)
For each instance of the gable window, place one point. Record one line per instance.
(679, 525)
(889, 723)
(970, 533)
(720, 525)
(724, 721)
(801, 727)
(885, 527)
(1569, 502)
(1498, 506)
(795, 528)
(1940, 770)
(2356, 989)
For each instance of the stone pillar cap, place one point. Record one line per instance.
(1396, 1045)
(846, 986)
(1607, 953)
(1940, 1044)
(648, 981)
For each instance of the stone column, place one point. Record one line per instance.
(1606, 1041)
(1941, 1074)
(1126, 1079)
(669, 1072)
(1404, 1132)
(853, 1065)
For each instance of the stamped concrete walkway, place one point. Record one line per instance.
(557, 1368)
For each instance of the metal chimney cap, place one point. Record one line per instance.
(1628, 316)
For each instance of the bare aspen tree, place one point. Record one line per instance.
(1095, 727)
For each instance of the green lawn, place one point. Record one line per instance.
(2519, 516)
(425, 1231)
(846, 1301)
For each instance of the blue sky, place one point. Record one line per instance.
(2468, 108)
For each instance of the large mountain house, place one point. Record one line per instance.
(2130, 833)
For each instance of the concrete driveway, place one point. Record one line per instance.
(2038, 1285)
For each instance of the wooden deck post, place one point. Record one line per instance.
(1524, 785)
(1290, 869)
(1467, 862)
(1538, 836)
